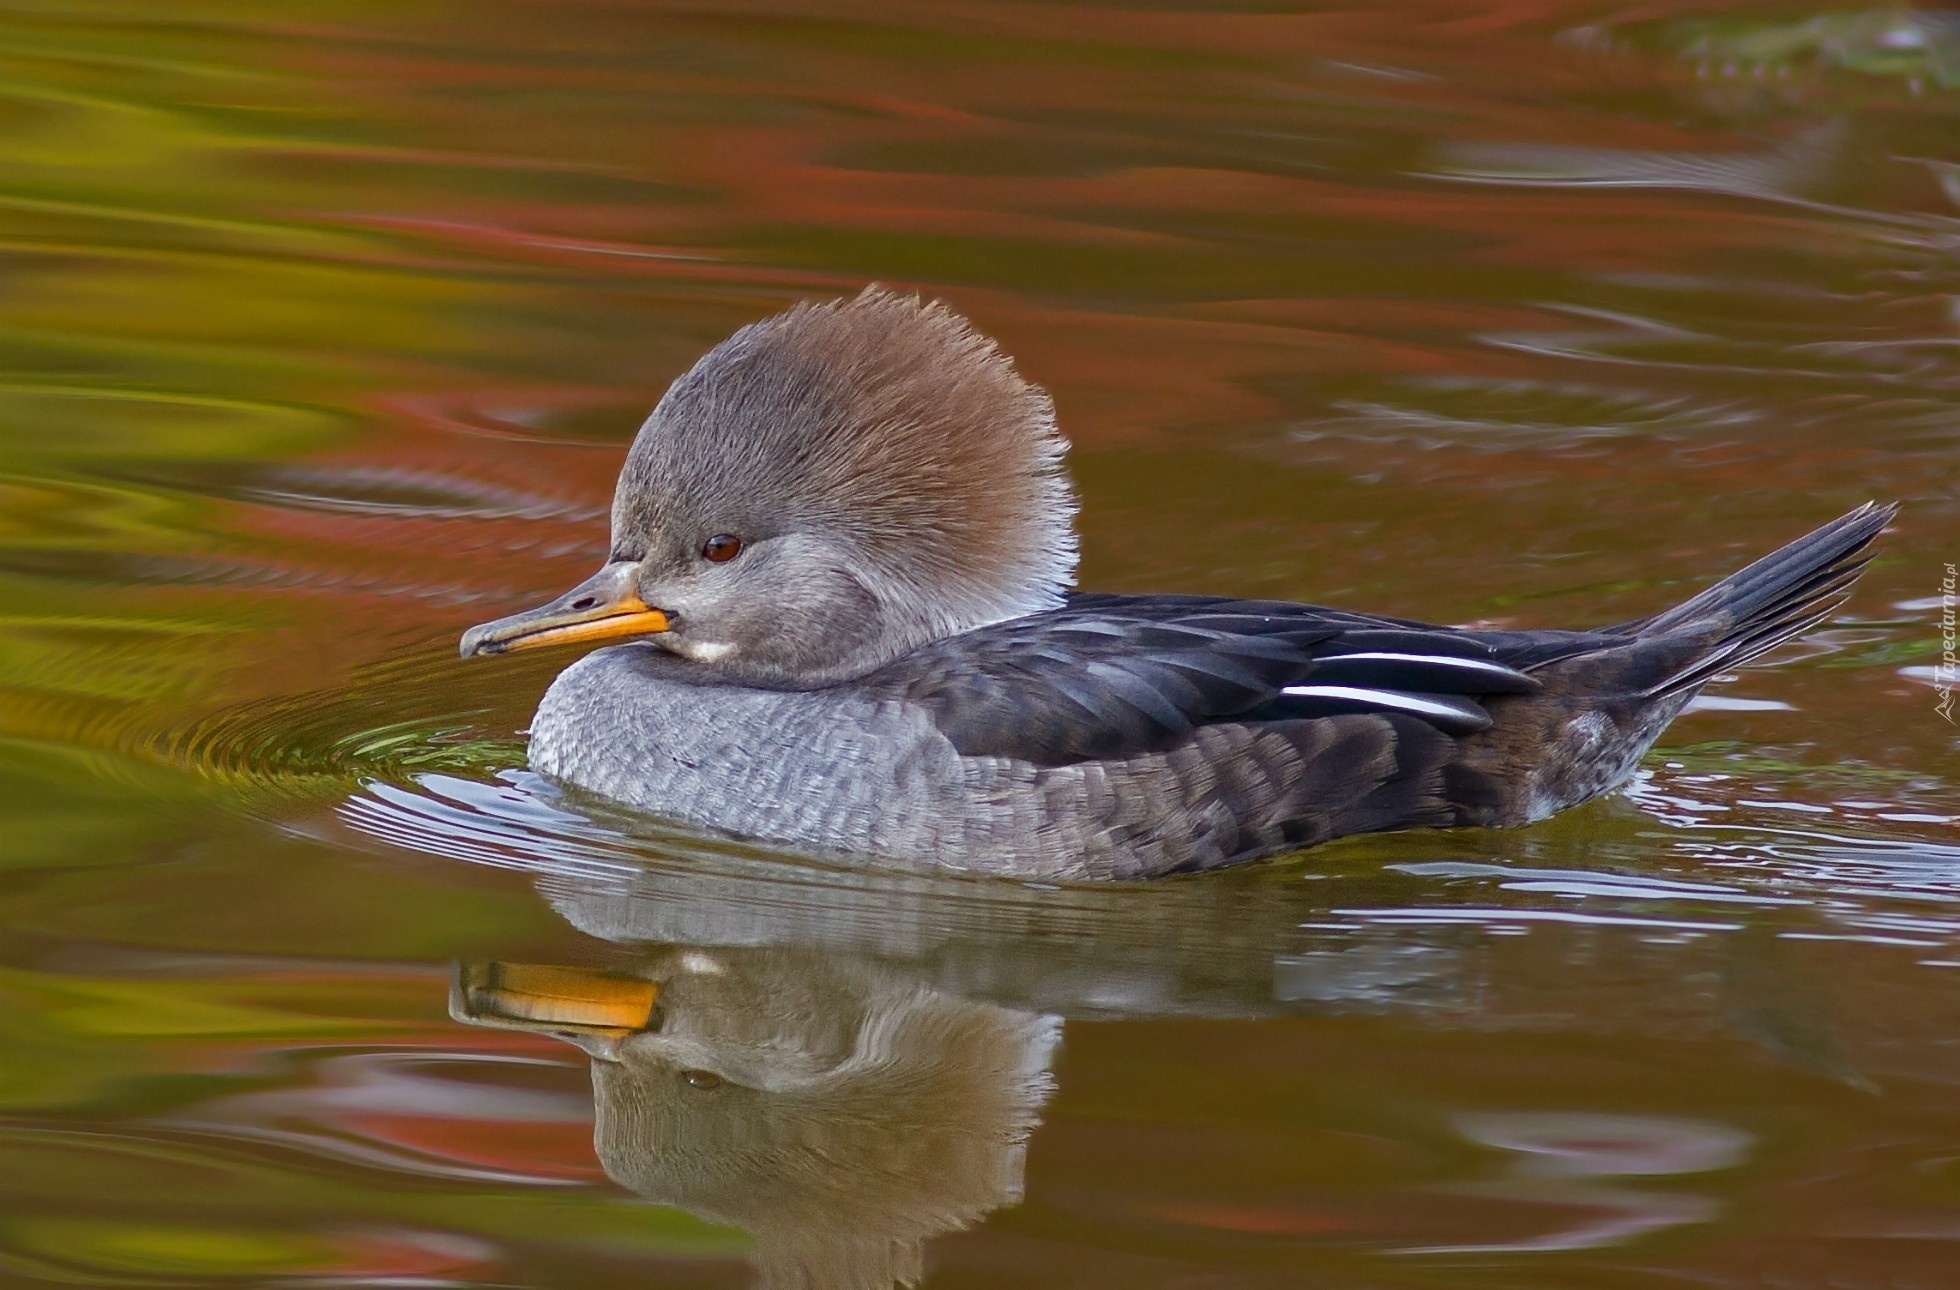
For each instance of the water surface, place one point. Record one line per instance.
(324, 329)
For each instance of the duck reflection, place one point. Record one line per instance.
(842, 1111)
(850, 1064)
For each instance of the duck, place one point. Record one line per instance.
(839, 616)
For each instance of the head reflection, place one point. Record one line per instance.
(841, 1111)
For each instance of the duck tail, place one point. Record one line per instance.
(1779, 597)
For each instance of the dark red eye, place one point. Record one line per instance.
(721, 548)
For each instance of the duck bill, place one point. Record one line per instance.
(603, 607)
(564, 1002)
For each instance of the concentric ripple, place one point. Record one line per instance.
(322, 744)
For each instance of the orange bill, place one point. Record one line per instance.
(603, 607)
(536, 997)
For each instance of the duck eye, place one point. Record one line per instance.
(721, 548)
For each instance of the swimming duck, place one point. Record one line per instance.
(844, 541)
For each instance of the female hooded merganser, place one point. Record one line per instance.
(847, 538)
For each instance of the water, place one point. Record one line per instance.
(324, 330)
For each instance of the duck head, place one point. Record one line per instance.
(822, 492)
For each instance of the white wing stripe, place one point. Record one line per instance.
(1380, 699)
(1475, 666)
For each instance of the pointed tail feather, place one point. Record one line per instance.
(1776, 599)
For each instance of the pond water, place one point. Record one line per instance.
(325, 327)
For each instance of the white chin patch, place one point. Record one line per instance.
(708, 651)
(701, 964)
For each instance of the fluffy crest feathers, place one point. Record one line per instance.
(885, 422)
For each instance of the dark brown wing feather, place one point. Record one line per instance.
(1199, 730)
(1111, 677)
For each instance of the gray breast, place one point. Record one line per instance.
(820, 769)
(849, 771)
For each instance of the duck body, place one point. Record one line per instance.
(844, 541)
(1135, 736)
